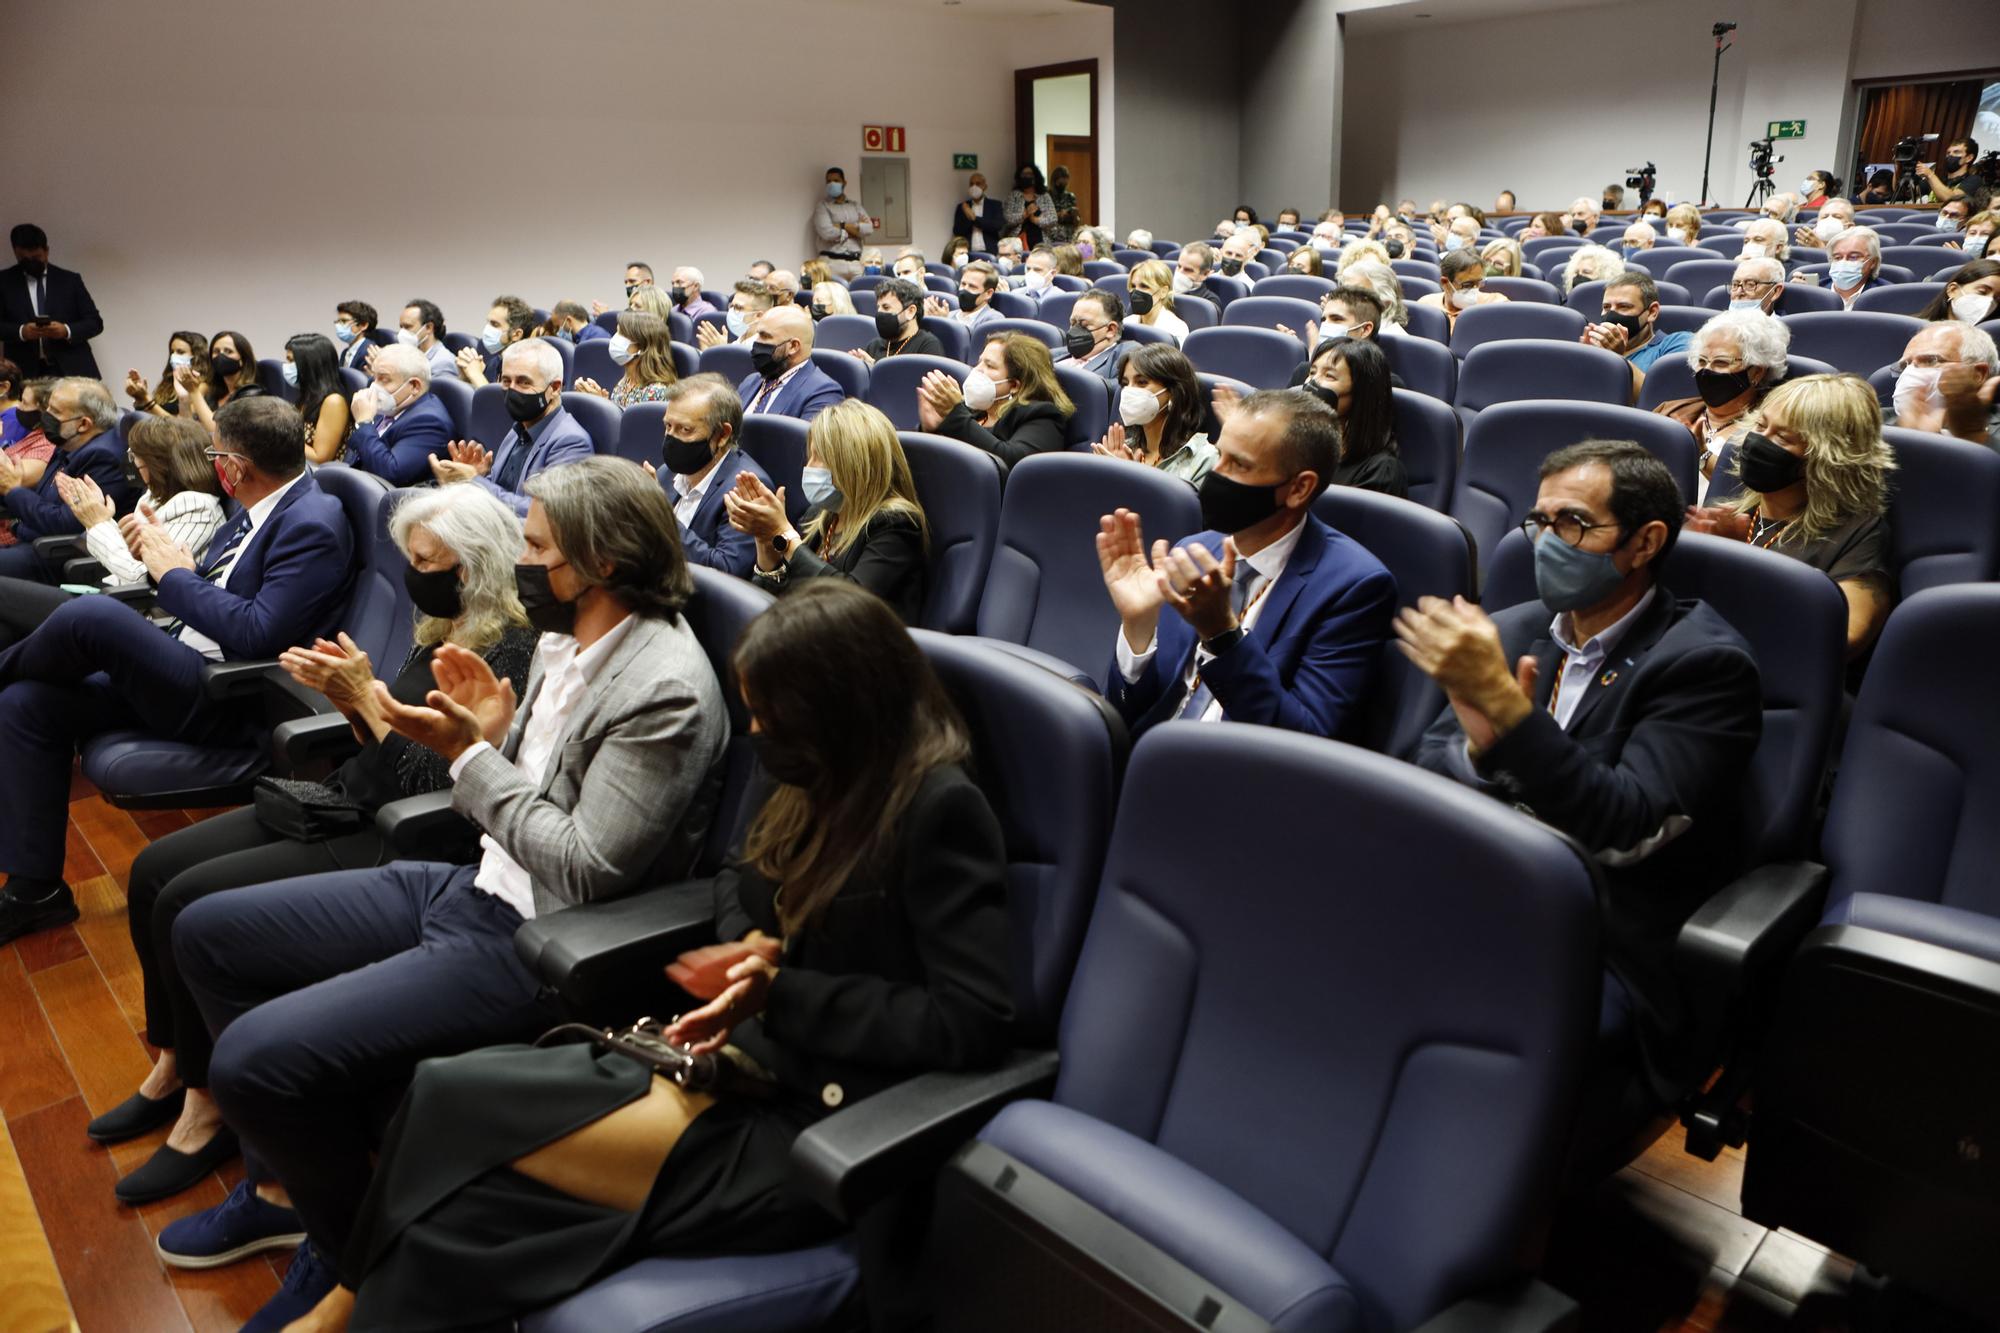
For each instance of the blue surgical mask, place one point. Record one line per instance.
(345, 332)
(1453, 242)
(620, 348)
(1845, 272)
(179, 360)
(817, 483)
(871, 268)
(1946, 222)
(1569, 578)
(834, 189)
(737, 322)
(1628, 251)
(1746, 303)
(290, 371)
(490, 337)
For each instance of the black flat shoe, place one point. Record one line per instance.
(136, 1115)
(169, 1171)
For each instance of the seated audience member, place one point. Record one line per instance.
(1738, 357)
(31, 450)
(784, 381)
(1358, 251)
(312, 370)
(1503, 202)
(182, 495)
(1139, 238)
(957, 254)
(652, 301)
(1818, 185)
(1328, 234)
(637, 275)
(871, 262)
(400, 427)
(1010, 254)
(1191, 270)
(760, 270)
(1502, 258)
(1344, 312)
(1544, 224)
(1306, 259)
(1614, 196)
(1782, 207)
(1095, 243)
(1854, 259)
(187, 351)
(1380, 280)
(461, 545)
(784, 286)
(1881, 188)
(1641, 764)
(421, 325)
(899, 330)
(1011, 405)
(274, 576)
(1766, 238)
(1590, 263)
(1288, 219)
(747, 305)
(1757, 285)
(508, 321)
(1038, 276)
(704, 422)
(831, 298)
(1463, 287)
(1979, 231)
(1239, 250)
(909, 266)
(1638, 238)
(1351, 376)
(1949, 383)
(544, 433)
(867, 752)
(1153, 291)
(232, 374)
(1628, 325)
(643, 346)
(864, 523)
(1461, 233)
(1684, 223)
(1583, 217)
(571, 322)
(1835, 217)
(977, 282)
(687, 297)
(324, 989)
(1971, 294)
(11, 381)
(81, 421)
(1095, 338)
(1277, 618)
(1815, 476)
(353, 328)
(1653, 208)
(1160, 415)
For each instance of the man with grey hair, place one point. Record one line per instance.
(81, 419)
(1854, 261)
(1765, 238)
(703, 419)
(686, 292)
(1584, 215)
(1139, 239)
(1949, 383)
(1757, 284)
(400, 427)
(544, 433)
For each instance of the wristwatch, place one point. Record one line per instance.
(1224, 641)
(780, 545)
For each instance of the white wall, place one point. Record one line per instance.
(1062, 106)
(249, 163)
(1895, 40)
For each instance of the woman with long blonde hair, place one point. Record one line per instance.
(1149, 294)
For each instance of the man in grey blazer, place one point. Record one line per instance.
(324, 990)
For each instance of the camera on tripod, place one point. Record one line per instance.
(1761, 159)
(1641, 179)
(1910, 147)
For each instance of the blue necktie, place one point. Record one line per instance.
(517, 460)
(1239, 597)
(219, 550)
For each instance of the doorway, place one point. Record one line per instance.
(1055, 124)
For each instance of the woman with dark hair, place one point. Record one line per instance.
(1027, 210)
(1306, 259)
(1244, 216)
(1970, 295)
(186, 350)
(232, 374)
(1351, 376)
(1160, 415)
(1544, 224)
(1011, 405)
(863, 930)
(1817, 188)
(643, 345)
(1061, 221)
(313, 368)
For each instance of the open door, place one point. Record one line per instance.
(1055, 124)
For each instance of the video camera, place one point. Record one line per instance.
(1761, 159)
(1910, 146)
(1641, 179)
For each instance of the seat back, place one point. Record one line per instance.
(456, 395)
(1547, 250)
(1268, 312)
(1427, 321)
(352, 380)
(1299, 286)
(642, 434)
(1197, 313)
(959, 489)
(1926, 261)
(1427, 437)
(378, 606)
(687, 360)
(599, 417)
(954, 337)
(1044, 590)
(1430, 555)
(892, 384)
(1416, 289)
(721, 607)
(488, 421)
(1899, 298)
(849, 372)
(729, 360)
(271, 378)
(779, 446)
(1701, 274)
(1055, 309)
(608, 321)
(1048, 334)
(1853, 340)
(1426, 366)
(1525, 289)
(1097, 270)
(1514, 321)
(1424, 269)
(843, 333)
(1468, 1013)
(1943, 497)
(1095, 401)
(1506, 372)
(1263, 358)
(1226, 288)
(593, 362)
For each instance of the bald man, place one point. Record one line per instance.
(786, 382)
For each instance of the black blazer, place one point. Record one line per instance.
(887, 558)
(1666, 729)
(907, 969)
(69, 303)
(991, 219)
(1030, 428)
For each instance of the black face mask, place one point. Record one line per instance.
(968, 301)
(1324, 394)
(1229, 268)
(819, 313)
(630, 287)
(1951, 161)
(764, 359)
(525, 407)
(888, 325)
(225, 366)
(1632, 324)
(546, 612)
(1142, 302)
(1394, 245)
(1580, 227)
(679, 296)
(1766, 467)
(30, 421)
(34, 268)
(1079, 341)
(436, 592)
(132, 477)
(784, 763)
(1230, 506)
(686, 457)
(1717, 387)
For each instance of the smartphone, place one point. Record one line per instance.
(80, 589)
(1809, 279)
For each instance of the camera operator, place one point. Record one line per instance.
(1962, 176)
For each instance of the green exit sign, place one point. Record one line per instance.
(965, 161)
(1785, 129)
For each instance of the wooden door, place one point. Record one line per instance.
(1078, 152)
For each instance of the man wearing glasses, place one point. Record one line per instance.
(1612, 711)
(1948, 383)
(1757, 284)
(1096, 328)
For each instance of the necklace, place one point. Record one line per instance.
(1762, 527)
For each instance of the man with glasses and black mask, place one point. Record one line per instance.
(544, 433)
(1096, 327)
(703, 420)
(1612, 711)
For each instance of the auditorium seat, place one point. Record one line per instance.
(352, 380)
(1416, 289)
(1226, 288)
(1428, 322)
(1524, 289)
(729, 360)
(1672, 377)
(1264, 358)
(892, 384)
(1209, 384)
(608, 321)
(456, 396)
(565, 350)
(458, 342)
(1301, 286)
(1131, 259)
(959, 490)
(1065, 282)
(1197, 313)
(1926, 262)
(1506, 372)
(642, 435)
(1428, 440)
(1424, 365)
(1700, 274)
(1903, 298)
(849, 372)
(1362, 1143)
(1117, 282)
(1048, 335)
(779, 445)
(1425, 269)
(1853, 340)
(1095, 401)
(1514, 321)
(1013, 305)
(1053, 310)
(956, 339)
(271, 378)
(1100, 270)
(1268, 312)
(843, 333)
(599, 417)
(593, 362)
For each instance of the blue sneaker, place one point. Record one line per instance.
(306, 1284)
(238, 1227)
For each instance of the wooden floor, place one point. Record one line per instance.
(1660, 1247)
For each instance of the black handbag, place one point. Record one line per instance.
(304, 811)
(646, 1042)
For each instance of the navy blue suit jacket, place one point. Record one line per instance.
(354, 355)
(807, 394)
(40, 512)
(289, 586)
(709, 540)
(400, 451)
(563, 440)
(591, 333)
(1308, 663)
(68, 303)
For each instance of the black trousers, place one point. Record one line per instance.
(24, 605)
(230, 851)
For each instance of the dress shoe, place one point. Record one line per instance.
(169, 1170)
(25, 909)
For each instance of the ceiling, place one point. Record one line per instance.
(1366, 18)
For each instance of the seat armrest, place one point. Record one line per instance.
(1526, 1306)
(1069, 671)
(416, 823)
(905, 1134)
(138, 596)
(60, 546)
(625, 943)
(1737, 944)
(300, 741)
(227, 681)
(83, 569)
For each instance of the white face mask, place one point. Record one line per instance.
(1828, 228)
(1182, 282)
(1137, 406)
(958, 260)
(1465, 297)
(1917, 387)
(180, 360)
(976, 193)
(1946, 222)
(1971, 308)
(1746, 303)
(1808, 188)
(1332, 330)
(1687, 234)
(385, 401)
(409, 337)
(1755, 250)
(1976, 245)
(1039, 281)
(980, 391)
(620, 348)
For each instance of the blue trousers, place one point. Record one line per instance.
(19, 561)
(95, 665)
(324, 992)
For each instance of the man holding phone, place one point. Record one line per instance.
(47, 318)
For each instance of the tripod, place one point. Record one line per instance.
(1760, 189)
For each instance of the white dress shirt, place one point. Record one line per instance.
(767, 393)
(1270, 566)
(688, 493)
(565, 688)
(260, 511)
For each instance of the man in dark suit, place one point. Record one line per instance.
(354, 325)
(399, 424)
(1626, 722)
(47, 318)
(1281, 621)
(787, 383)
(544, 434)
(703, 419)
(275, 575)
(81, 420)
(978, 217)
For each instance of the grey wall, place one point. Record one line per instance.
(1290, 135)
(1179, 110)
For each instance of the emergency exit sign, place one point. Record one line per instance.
(965, 161)
(1785, 129)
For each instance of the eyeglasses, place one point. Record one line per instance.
(1092, 329)
(1569, 525)
(1749, 287)
(1925, 361)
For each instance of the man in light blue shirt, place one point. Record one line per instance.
(1629, 325)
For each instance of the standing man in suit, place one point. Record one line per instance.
(325, 989)
(354, 329)
(544, 434)
(703, 419)
(275, 575)
(46, 314)
(400, 427)
(978, 216)
(1278, 619)
(1626, 721)
(81, 420)
(786, 382)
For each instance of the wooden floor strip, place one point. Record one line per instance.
(31, 1288)
(105, 1056)
(33, 1073)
